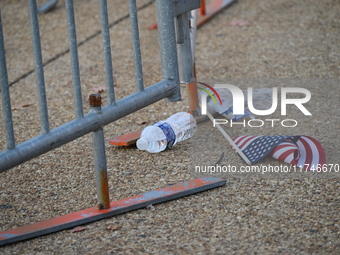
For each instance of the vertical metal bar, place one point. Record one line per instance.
(100, 157)
(6, 100)
(136, 45)
(193, 96)
(39, 67)
(167, 41)
(74, 58)
(192, 87)
(107, 52)
(185, 56)
(193, 30)
(179, 29)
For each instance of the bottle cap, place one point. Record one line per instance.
(142, 144)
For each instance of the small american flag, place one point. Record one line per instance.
(302, 151)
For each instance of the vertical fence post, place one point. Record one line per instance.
(6, 100)
(74, 58)
(136, 45)
(100, 157)
(107, 51)
(39, 67)
(167, 41)
(192, 87)
(185, 56)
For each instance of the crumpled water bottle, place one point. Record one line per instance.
(165, 134)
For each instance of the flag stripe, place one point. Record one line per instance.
(304, 151)
(290, 159)
(236, 139)
(246, 142)
(302, 159)
(315, 155)
(283, 157)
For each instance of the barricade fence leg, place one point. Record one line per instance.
(100, 157)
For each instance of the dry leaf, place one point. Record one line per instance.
(77, 229)
(100, 88)
(19, 107)
(114, 227)
(239, 23)
(141, 122)
(153, 26)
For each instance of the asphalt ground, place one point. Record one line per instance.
(282, 44)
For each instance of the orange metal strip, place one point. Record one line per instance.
(212, 9)
(202, 8)
(126, 140)
(116, 207)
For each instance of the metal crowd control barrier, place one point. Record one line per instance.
(174, 40)
(50, 139)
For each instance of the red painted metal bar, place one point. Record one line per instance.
(116, 207)
(202, 8)
(211, 10)
(126, 140)
(193, 96)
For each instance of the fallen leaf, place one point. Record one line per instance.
(153, 26)
(19, 107)
(114, 227)
(141, 122)
(99, 89)
(239, 23)
(77, 229)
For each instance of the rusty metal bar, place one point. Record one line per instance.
(98, 142)
(192, 86)
(202, 8)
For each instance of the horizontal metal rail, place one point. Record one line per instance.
(82, 126)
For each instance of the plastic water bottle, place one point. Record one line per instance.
(165, 134)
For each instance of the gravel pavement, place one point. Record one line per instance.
(282, 43)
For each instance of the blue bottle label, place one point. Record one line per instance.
(168, 132)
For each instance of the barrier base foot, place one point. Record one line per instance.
(117, 207)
